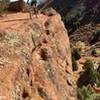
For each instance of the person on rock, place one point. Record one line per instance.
(33, 9)
(33, 2)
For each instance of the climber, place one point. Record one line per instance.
(33, 9)
(34, 5)
(33, 2)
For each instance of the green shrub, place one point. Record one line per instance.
(76, 54)
(89, 76)
(3, 6)
(74, 64)
(71, 22)
(88, 65)
(93, 52)
(87, 93)
(96, 37)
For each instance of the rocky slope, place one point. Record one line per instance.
(77, 13)
(35, 59)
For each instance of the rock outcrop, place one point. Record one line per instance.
(35, 60)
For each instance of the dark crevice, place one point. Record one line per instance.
(25, 94)
(46, 24)
(31, 83)
(42, 93)
(45, 41)
(28, 72)
(47, 32)
(44, 54)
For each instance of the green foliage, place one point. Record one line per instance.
(3, 5)
(72, 23)
(74, 64)
(89, 76)
(88, 65)
(94, 52)
(87, 93)
(89, 69)
(76, 54)
(98, 74)
(96, 37)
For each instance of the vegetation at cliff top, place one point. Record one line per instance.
(3, 5)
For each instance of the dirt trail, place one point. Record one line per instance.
(16, 19)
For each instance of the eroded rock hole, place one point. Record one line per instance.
(39, 44)
(46, 24)
(28, 72)
(42, 93)
(45, 41)
(45, 55)
(47, 32)
(25, 94)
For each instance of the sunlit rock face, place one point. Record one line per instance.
(35, 59)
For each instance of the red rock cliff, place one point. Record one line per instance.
(35, 59)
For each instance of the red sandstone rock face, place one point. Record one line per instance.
(35, 61)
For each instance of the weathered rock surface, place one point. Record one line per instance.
(35, 60)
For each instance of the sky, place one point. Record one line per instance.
(17, 0)
(38, 1)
